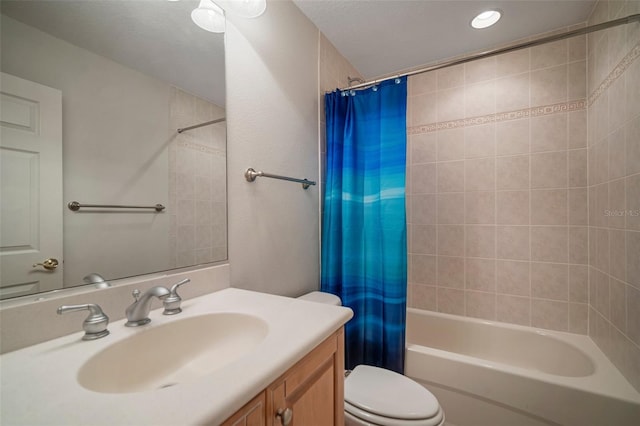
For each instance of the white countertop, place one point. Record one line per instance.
(38, 384)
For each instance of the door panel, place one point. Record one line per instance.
(30, 186)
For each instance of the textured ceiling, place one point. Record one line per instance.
(381, 37)
(155, 37)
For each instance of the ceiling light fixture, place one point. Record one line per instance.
(243, 8)
(486, 19)
(209, 16)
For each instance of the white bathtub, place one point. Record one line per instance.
(489, 373)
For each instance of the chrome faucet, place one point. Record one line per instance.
(95, 326)
(138, 311)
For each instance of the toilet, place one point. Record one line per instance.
(374, 396)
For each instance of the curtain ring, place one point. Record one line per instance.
(397, 81)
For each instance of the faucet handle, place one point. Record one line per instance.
(136, 294)
(95, 325)
(172, 301)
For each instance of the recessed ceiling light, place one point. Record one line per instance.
(486, 19)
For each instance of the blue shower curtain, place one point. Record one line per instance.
(364, 250)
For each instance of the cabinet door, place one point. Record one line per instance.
(252, 414)
(311, 392)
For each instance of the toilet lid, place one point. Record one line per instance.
(389, 394)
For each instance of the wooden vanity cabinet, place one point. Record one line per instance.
(311, 393)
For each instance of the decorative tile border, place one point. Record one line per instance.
(201, 148)
(576, 105)
(615, 73)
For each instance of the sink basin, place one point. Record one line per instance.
(172, 353)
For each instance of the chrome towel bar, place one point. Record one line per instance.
(251, 175)
(75, 206)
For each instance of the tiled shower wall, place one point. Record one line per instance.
(197, 182)
(497, 188)
(614, 187)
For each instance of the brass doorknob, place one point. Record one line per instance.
(49, 264)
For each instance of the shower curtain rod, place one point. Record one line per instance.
(586, 30)
(195, 126)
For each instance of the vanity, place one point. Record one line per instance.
(233, 357)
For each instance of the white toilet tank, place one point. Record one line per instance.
(322, 297)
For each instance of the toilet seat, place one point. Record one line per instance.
(383, 397)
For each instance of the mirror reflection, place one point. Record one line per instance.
(93, 95)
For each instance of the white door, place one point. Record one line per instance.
(30, 187)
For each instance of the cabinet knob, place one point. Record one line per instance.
(285, 415)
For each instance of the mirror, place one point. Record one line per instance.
(93, 95)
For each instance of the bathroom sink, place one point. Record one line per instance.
(172, 353)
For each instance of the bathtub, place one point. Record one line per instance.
(490, 373)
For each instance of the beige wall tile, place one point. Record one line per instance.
(549, 133)
(602, 249)
(632, 145)
(512, 63)
(549, 207)
(451, 144)
(451, 176)
(578, 283)
(480, 174)
(633, 202)
(514, 309)
(480, 274)
(513, 277)
(633, 90)
(450, 104)
(617, 158)
(450, 77)
(423, 209)
(422, 83)
(617, 113)
(423, 269)
(512, 207)
(550, 314)
(577, 80)
(451, 208)
(480, 141)
(550, 281)
(578, 168)
(549, 54)
(616, 209)
(423, 148)
(549, 85)
(423, 178)
(513, 242)
(480, 99)
(481, 305)
(578, 245)
(599, 283)
(617, 254)
(480, 207)
(618, 304)
(578, 318)
(633, 314)
(549, 170)
(577, 129)
(423, 109)
(451, 271)
(450, 301)
(577, 47)
(549, 244)
(480, 241)
(512, 172)
(480, 70)
(423, 297)
(512, 137)
(423, 239)
(633, 254)
(451, 240)
(512, 92)
(578, 206)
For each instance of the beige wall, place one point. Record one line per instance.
(497, 188)
(614, 187)
(272, 107)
